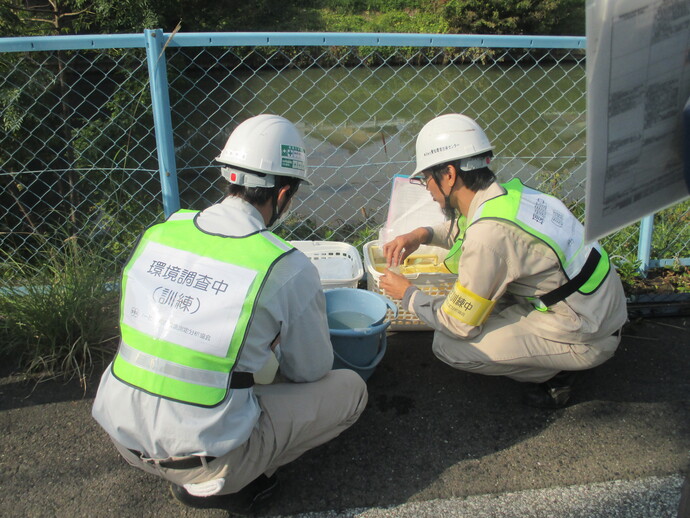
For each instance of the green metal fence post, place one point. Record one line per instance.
(162, 120)
(644, 246)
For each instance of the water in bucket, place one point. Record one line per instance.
(348, 320)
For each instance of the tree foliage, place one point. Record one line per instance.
(43, 17)
(236, 15)
(557, 17)
(546, 17)
(55, 17)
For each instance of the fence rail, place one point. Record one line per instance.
(103, 135)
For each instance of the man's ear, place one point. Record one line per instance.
(452, 174)
(284, 196)
(284, 193)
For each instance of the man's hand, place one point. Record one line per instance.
(394, 285)
(397, 250)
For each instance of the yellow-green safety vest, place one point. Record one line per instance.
(187, 301)
(548, 219)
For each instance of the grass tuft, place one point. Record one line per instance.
(58, 315)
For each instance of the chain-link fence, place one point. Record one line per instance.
(77, 149)
(90, 145)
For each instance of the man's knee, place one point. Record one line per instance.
(348, 379)
(452, 354)
(349, 382)
(440, 351)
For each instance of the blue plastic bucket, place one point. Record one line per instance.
(360, 345)
(357, 328)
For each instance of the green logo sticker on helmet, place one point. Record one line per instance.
(292, 157)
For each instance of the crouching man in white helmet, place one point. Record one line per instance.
(532, 300)
(205, 297)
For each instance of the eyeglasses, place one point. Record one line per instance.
(419, 180)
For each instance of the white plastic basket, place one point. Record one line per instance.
(433, 284)
(339, 264)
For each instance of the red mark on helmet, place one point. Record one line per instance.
(233, 177)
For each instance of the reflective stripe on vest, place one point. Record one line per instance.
(548, 219)
(187, 300)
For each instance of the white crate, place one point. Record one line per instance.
(339, 264)
(433, 284)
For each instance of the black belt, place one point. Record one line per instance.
(241, 380)
(574, 284)
(193, 461)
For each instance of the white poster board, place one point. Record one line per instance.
(638, 83)
(410, 206)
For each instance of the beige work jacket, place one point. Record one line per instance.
(501, 262)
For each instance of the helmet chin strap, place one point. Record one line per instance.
(448, 211)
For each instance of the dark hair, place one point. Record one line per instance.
(260, 195)
(478, 179)
(475, 180)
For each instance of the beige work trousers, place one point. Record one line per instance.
(295, 418)
(508, 347)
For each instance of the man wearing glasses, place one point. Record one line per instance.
(532, 300)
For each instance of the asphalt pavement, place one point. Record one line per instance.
(432, 442)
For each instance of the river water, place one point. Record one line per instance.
(360, 125)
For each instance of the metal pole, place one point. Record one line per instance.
(644, 246)
(162, 120)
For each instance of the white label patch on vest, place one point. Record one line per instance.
(550, 217)
(466, 306)
(185, 299)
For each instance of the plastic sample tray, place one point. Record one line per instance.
(431, 281)
(339, 264)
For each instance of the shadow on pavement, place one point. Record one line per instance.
(429, 432)
(428, 429)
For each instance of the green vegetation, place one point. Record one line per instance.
(548, 17)
(515, 17)
(670, 238)
(59, 318)
(657, 281)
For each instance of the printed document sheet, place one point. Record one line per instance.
(638, 83)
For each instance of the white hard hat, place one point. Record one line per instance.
(451, 137)
(267, 144)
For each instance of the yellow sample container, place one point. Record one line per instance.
(424, 269)
(413, 264)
